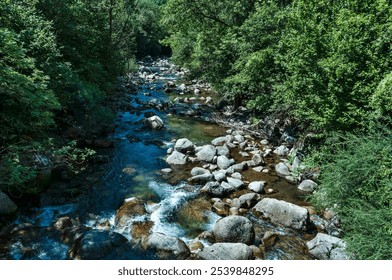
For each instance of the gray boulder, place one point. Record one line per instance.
(282, 170)
(154, 122)
(226, 251)
(214, 189)
(7, 206)
(283, 213)
(234, 229)
(184, 145)
(201, 179)
(223, 151)
(223, 162)
(176, 158)
(307, 186)
(327, 247)
(219, 141)
(248, 200)
(258, 159)
(282, 151)
(257, 186)
(167, 247)
(219, 175)
(235, 183)
(207, 153)
(199, 171)
(240, 166)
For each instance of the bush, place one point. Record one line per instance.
(356, 176)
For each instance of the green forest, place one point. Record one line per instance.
(326, 65)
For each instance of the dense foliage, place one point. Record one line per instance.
(59, 60)
(356, 178)
(321, 61)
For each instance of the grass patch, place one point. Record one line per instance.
(356, 177)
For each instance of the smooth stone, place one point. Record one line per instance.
(283, 213)
(176, 158)
(226, 251)
(257, 186)
(307, 186)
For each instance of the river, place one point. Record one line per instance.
(134, 170)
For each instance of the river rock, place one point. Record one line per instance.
(219, 208)
(176, 158)
(214, 189)
(199, 171)
(282, 170)
(184, 145)
(219, 175)
(207, 153)
(201, 179)
(223, 151)
(97, 244)
(226, 251)
(248, 200)
(234, 229)
(307, 186)
(154, 122)
(282, 151)
(236, 175)
(223, 162)
(257, 186)
(258, 159)
(219, 141)
(326, 247)
(239, 138)
(7, 206)
(283, 213)
(240, 167)
(167, 247)
(235, 183)
(131, 208)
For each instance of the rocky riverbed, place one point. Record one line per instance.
(179, 186)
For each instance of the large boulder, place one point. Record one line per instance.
(283, 213)
(7, 206)
(207, 153)
(154, 122)
(226, 251)
(184, 145)
(167, 247)
(176, 158)
(97, 244)
(327, 247)
(234, 229)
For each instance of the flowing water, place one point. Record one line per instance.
(133, 171)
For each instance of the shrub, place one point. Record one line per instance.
(356, 176)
